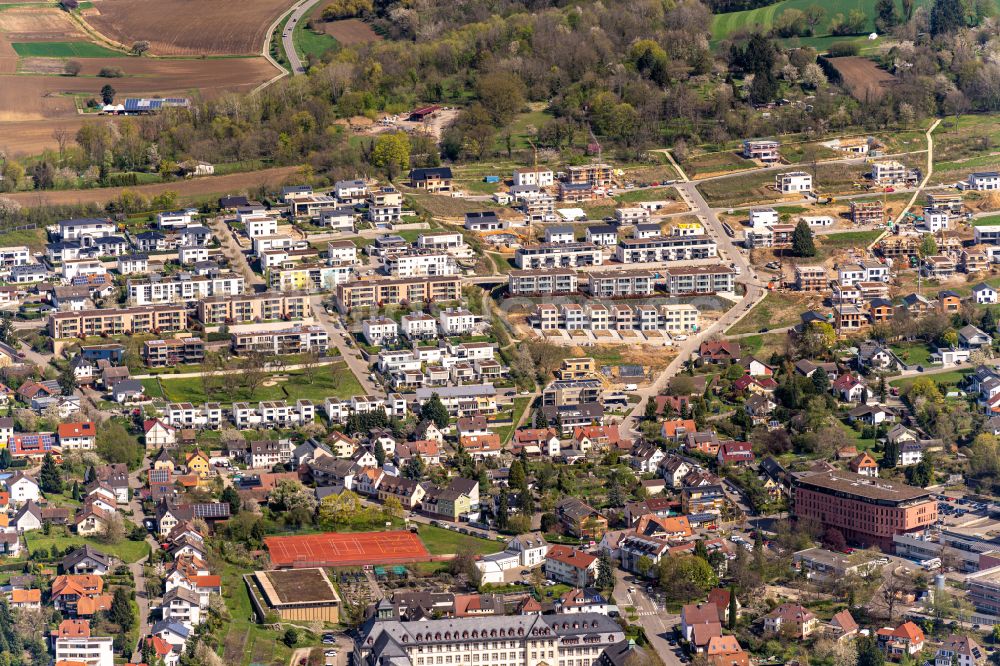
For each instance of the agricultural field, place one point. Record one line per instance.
(64, 50)
(708, 164)
(863, 77)
(751, 188)
(763, 18)
(345, 31)
(170, 30)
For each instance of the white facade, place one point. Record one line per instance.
(191, 254)
(17, 255)
(151, 292)
(794, 181)
(418, 264)
(378, 331)
(534, 176)
(177, 219)
(257, 224)
(888, 172)
(984, 181)
(935, 221)
(419, 325)
(93, 650)
(457, 321)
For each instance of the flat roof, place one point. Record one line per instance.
(296, 586)
(855, 484)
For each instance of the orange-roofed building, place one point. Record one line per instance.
(482, 446)
(676, 429)
(69, 590)
(670, 527)
(26, 598)
(77, 436)
(722, 597)
(599, 437)
(864, 465)
(72, 629)
(90, 606)
(66, 662)
(907, 639)
(726, 651)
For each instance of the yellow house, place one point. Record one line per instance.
(197, 463)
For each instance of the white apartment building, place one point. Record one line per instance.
(337, 410)
(763, 217)
(989, 234)
(377, 331)
(934, 220)
(559, 234)
(350, 192)
(257, 224)
(342, 252)
(295, 340)
(445, 240)
(77, 229)
(385, 205)
(558, 255)
(276, 242)
(850, 275)
(457, 321)
(984, 181)
(534, 176)
(419, 325)
(90, 650)
(177, 219)
(186, 415)
(665, 248)
(337, 219)
(192, 254)
(15, 255)
(183, 288)
(888, 172)
(631, 215)
(603, 235)
(273, 413)
(419, 263)
(77, 267)
(679, 318)
(794, 181)
(133, 263)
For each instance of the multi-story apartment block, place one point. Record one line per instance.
(186, 415)
(811, 278)
(337, 219)
(704, 279)
(544, 282)
(385, 205)
(539, 176)
(442, 240)
(309, 205)
(987, 234)
(558, 255)
(984, 181)
(597, 175)
(310, 278)
(863, 271)
(338, 411)
(867, 212)
(888, 172)
(631, 215)
(69, 230)
(88, 650)
(417, 263)
(418, 326)
(294, 340)
(621, 284)
(274, 414)
(665, 248)
(379, 330)
(175, 219)
(350, 192)
(173, 351)
(793, 182)
(183, 288)
(17, 255)
(393, 291)
(191, 254)
(867, 511)
(764, 150)
(266, 306)
(145, 319)
(457, 321)
(521, 639)
(258, 224)
(341, 252)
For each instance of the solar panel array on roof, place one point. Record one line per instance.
(212, 510)
(147, 104)
(159, 476)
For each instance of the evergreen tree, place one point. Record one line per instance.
(557, 424)
(615, 493)
(886, 17)
(540, 421)
(883, 390)
(49, 479)
(802, 240)
(67, 380)
(121, 610)
(700, 550)
(890, 454)
(5, 458)
(650, 413)
(503, 510)
(605, 573)
(379, 454)
(869, 653)
(414, 469)
(435, 411)
(733, 609)
(516, 477)
(947, 16)
(232, 498)
(77, 493)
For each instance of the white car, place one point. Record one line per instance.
(681, 338)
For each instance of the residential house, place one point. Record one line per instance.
(958, 650)
(793, 620)
(568, 565)
(906, 639)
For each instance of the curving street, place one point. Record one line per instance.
(288, 35)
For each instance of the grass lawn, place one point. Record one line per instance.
(942, 379)
(653, 194)
(334, 380)
(64, 50)
(523, 124)
(861, 444)
(913, 353)
(762, 346)
(440, 541)
(506, 432)
(153, 388)
(126, 551)
(309, 43)
(720, 162)
(33, 238)
(987, 221)
(828, 244)
(749, 188)
(775, 311)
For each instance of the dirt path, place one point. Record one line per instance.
(186, 189)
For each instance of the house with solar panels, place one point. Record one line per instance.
(134, 106)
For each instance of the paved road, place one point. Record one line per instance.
(655, 621)
(288, 39)
(338, 338)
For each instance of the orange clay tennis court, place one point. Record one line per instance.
(333, 549)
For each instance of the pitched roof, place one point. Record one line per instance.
(845, 621)
(570, 556)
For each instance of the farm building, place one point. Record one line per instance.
(134, 106)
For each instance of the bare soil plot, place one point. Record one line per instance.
(346, 31)
(189, 27)
(31, 24)
(863, 77)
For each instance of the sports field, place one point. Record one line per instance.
(763, 18)
(64, 50)
(332, 549)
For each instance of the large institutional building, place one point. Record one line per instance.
(868, 511)
(577, 639)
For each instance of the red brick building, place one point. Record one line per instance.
(867, 511)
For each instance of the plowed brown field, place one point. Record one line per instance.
(189, 27)
(863, 77)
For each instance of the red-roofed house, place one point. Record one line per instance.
(791, 620)
(842, 626)
(77, 436)
(677, 429)
(864, 465)
(735, 453)
(30, 599)
(726, 651)
(695, 615)
(721, 351)
(721, 597)
(848, 387)
(907, 638)
(159, 434)
(482, 446)
(571, 566)
(599, 437)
